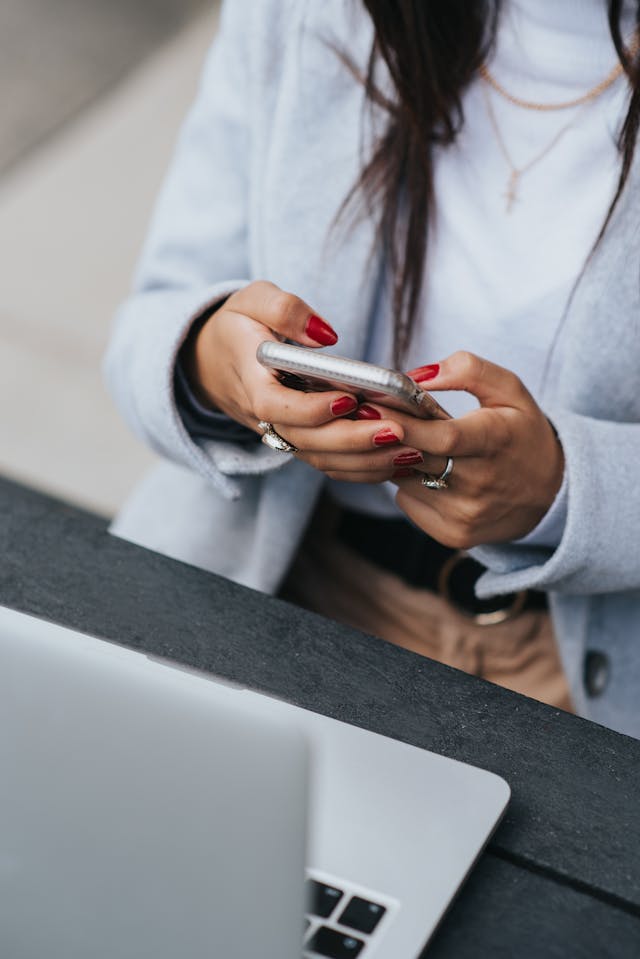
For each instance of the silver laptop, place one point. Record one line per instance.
(151, 811)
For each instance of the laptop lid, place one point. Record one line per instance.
(142, 812)
(149, 810)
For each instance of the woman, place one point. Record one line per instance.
(448, 188)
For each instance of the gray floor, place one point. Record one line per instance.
(73, 212)
(58, 56)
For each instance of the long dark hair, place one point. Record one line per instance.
(433, 50)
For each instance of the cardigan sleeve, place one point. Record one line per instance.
(549, 530)
(195, 255)
(598, 551)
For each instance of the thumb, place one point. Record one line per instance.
(491, 384)
(287, 315)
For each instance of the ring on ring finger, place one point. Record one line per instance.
(271, 438)
(438, 482)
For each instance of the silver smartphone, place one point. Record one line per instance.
(301, 368)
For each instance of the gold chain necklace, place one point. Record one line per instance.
(632, 49)
(515, 173)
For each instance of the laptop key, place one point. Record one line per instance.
(322, 899)
(362, 915)
(335, 945)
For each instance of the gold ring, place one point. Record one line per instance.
(272, 439)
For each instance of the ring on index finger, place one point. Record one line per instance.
(273, 440)
(438, 482)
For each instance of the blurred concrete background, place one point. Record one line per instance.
(92, 93)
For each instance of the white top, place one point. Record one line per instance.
(498, 281)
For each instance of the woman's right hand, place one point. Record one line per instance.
(221, 364)
(223, 369)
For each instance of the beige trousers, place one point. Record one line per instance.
(520, 654)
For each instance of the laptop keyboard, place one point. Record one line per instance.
(340, 923)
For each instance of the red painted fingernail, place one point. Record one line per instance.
(346, 404)
(385, 437)
(401, 474)
(405, 459)
(367, 413)
(422, 373)
(320, 331)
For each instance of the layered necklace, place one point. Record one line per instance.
(517, 172)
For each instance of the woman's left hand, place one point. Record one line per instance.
(508, 462)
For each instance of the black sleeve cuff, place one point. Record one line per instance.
(202, 423)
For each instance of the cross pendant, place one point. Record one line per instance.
(511, 193)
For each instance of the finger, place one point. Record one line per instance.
(380, 461)
(283, 312)
(452, 517)
(275, 403)
(417, 507)
(267, 398)
(483, 432)
(477, 433)
(346, 437)
(411, 486)
(493, 385)
(436, 465)
(445, 524)
(439, 513)
(424, 514)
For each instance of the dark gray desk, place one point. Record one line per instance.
(561, 877)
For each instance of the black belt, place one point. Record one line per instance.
(397, 546)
